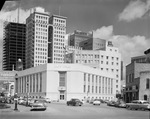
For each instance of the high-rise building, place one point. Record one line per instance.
(36, 38)
(1, 43)
(13, 45)
(93, 44)
(56, 41)
(78, 36)
(45, 38)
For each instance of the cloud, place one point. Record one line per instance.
(104, 32)
(134, 10)
(8, 5)
(12, 15)
(128, 46)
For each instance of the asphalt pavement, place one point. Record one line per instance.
(57, 110)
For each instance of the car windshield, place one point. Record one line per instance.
(96, 100)
(75, 100)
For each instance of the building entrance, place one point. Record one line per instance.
(62, 95)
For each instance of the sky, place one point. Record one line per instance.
(125, 22)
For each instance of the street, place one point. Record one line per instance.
(61, 110)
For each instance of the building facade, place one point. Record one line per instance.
(93, 44)
(60, 82)
(1, 43)
(144, 92)
(45, 38)
(133, 80)
(108, 61)
(77, 37)
(139, 59)
(56, 41)
(36, 38)
(13, 45)
(7, 79)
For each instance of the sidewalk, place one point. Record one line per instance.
(20, 108)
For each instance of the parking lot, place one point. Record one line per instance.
(57, 110)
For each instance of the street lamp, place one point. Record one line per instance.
(16, 100)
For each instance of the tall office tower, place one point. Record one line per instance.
(77, 37)
(13, 45)
(1, 43)
(36, 38)
(45, 38)
(56, 41)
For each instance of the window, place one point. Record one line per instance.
(92, 78)
(37, 83)
(92, 89)
(84, 89)
(147, 83)
(30, 83)
(40, 82)
(88, 77)
(62, 77)
(88, 88)
(84, 77)
(33, 82)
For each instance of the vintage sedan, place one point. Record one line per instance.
(120, 103)
(97, 102)
(111, 103)
(38, 105)
(138, 105)
(74, 102)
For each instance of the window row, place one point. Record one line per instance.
(58, 28)
(29, 84)
(40, 61)
(60, 21)
(41, 17)
(60, 36)
(97, 89)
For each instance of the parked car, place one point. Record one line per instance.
(120, 103)
(138, 104)
(4, 106)
(111, 103)
(48, 100)
(74, 102)
(39, 105)
(97, 102)
(2, 99)
(20, 101)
